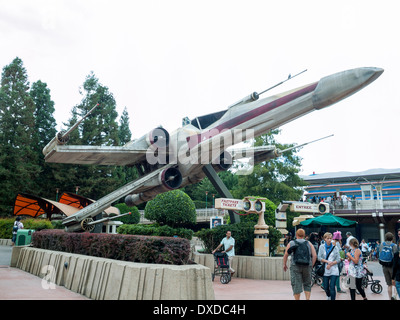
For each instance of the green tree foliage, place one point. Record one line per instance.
(173, 208)
(132, 218)
(125, 173)
(124, 133)
(274, 179)
(198, 191)
(45, 131)
(18, 160)
(45, 124)
(100, 128)
(242, 232)
(27, 124)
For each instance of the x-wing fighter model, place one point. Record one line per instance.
(170, 161)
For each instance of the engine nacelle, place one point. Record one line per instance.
(168, 179)
(157, 138)
(223, 163)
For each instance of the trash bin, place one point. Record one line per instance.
(24, 237)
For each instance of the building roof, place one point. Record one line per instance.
(344, 176)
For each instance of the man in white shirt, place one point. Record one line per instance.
(364, 248)
(349, 237)
(229, 247)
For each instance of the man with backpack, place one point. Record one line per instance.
(17, 225)
(387, 250)
(303, 257)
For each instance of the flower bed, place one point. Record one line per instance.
(143, 249)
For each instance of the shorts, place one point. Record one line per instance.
(300, 278)
(387, 272)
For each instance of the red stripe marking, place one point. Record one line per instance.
(193, 140)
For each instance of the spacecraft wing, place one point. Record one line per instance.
(98, 155)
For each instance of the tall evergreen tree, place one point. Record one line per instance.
(99, 128)
(45, 126)
(45, 130)
(124, 132)
(18, 159)
(126, 174)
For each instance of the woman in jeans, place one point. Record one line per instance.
(356, 269)
(331, 265)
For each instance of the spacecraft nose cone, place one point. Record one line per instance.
(338, 86)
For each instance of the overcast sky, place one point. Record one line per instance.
(165, 60)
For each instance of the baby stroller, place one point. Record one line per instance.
(315, 278)
(221, 267)
(376, 287)
(367, 279)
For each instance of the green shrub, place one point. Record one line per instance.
(132, 218)
(163, 250)
(173, 208)
(6, 226)
(242, 232)
(155, 230)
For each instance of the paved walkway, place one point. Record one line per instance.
(16, 284)
(20, 285)
(247, 289)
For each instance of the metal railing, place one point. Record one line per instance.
(203, 215)
(364, 205)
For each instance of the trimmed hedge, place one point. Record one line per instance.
(242, 232)
(6, 226)
(155, 230)
(162, 250)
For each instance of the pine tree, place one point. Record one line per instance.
(124, 132)
(18, 159)
(45, 130)
(100, 128)
(126, 174)
(45, 126)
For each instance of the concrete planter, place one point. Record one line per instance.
(108, 279)
(258, 268)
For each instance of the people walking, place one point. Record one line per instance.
(303, 257)
(356, 269)
(328, 254)
(337, 241)
(387, 251)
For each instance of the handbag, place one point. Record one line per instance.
(320, 270)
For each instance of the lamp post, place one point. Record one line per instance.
(206, 202)
(76, 189)
(57, 191)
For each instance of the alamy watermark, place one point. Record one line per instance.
(49, 279)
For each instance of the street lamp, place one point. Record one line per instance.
(206, 201)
